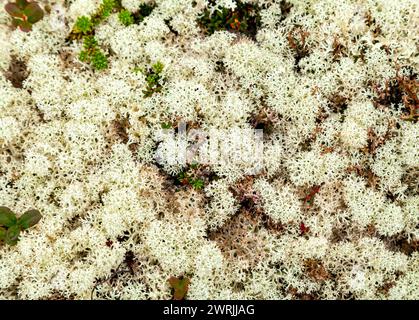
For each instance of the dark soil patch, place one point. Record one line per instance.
(17, 72)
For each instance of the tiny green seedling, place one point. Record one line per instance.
(24, 14)
(180, 287)
(186, 178)
(83, 25)
(137, 70)
(197, 184)
(125, 17)
(166, 125)
(92, 54)
(99, 61)
(153, 78)
(11, 226)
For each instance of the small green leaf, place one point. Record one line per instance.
(197, 183)
(3, 233)
(12, 235)
(7, 217)
(14, 10)
(89, 42)
(34, 12)
(180, 287)
(83, 24)
(138, 69)
(157, 67)
(25, 26)
(99, 61)
(16, 22)
(22, 3)
(29, 219)
(194, 165)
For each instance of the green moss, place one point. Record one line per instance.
(190, 177)
(125, 17)
(99, 61)
(154, 79)
(92, 54)
(84, 28)
(107, 7)
(197, 183)
(180, 287)
(83, 25)
(105, 10)
(86, 25)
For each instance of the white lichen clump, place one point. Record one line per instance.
(332, 211)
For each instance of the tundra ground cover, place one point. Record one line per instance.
(113, 117)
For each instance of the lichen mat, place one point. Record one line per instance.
(323, 204)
